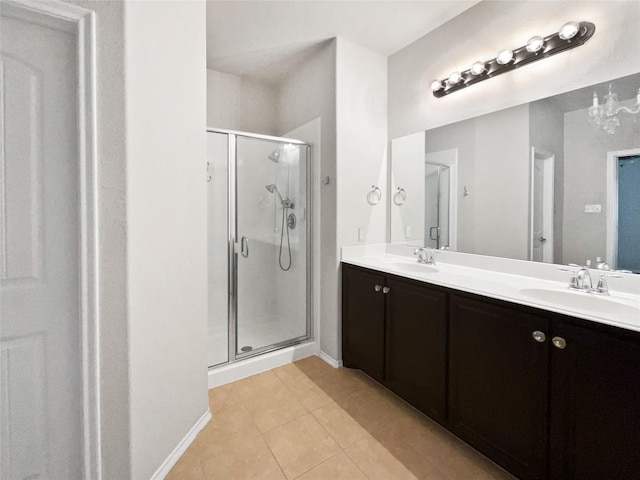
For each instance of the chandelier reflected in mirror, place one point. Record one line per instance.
(605, 115)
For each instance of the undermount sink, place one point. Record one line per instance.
(413, 267)
(582, 301)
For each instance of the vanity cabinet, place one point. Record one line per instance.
(595, 403)
(416, 345)
(363, 331)
(394, 329)
(544, 395)
(498, 382)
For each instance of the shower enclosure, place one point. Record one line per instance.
(259, 244)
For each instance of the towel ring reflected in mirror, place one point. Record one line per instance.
(374, 196)
(400, 196)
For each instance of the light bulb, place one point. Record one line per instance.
(504, 57)
(436, 85)
(569, 30)
(477, 68)
(455, 78)
(535, 44)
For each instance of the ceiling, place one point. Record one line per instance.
(265, 39)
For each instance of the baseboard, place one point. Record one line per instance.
(174, 456)
(260, 363)
(330, 360)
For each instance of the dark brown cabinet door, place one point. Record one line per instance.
(363, 321)
(416, 345)
(498, 383)
(595, 419)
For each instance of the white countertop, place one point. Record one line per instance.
(534, 284)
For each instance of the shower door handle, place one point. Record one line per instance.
(437, 229)
(244, 247)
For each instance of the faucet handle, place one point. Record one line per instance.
(431, 256)
(573, 281)
(603, 288)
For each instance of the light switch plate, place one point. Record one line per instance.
(361, 234)
(407, 231)
(595, 208)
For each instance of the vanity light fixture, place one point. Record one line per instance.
(569, 30)
(535, 44)
(477, 68)
(454, 78)
(504, 57)
(605, 115)
(571, 35)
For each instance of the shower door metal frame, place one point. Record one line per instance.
(233, 247)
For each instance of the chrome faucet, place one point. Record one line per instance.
(582, 280)
(426, 256)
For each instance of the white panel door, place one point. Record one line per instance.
(40, 369)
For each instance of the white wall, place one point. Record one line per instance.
(361, 142)
(408, 156)
(612, 52)
(240, 103)
(166, 225)
(502, 214)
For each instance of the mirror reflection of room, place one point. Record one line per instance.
(554, 181)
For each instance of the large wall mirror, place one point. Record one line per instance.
(547, 181)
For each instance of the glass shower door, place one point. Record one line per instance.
(437, 205)
(270, 244)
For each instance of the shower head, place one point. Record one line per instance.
(275, 156)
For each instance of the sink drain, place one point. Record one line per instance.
(246, 348)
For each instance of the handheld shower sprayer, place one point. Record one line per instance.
(272, 188)
(286, 205)
(284, 201)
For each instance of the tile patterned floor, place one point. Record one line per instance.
(309, 421)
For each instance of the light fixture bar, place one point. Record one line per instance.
(571, 35)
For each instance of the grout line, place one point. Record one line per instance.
(273, 456)
(318, 464)
(352, 460)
